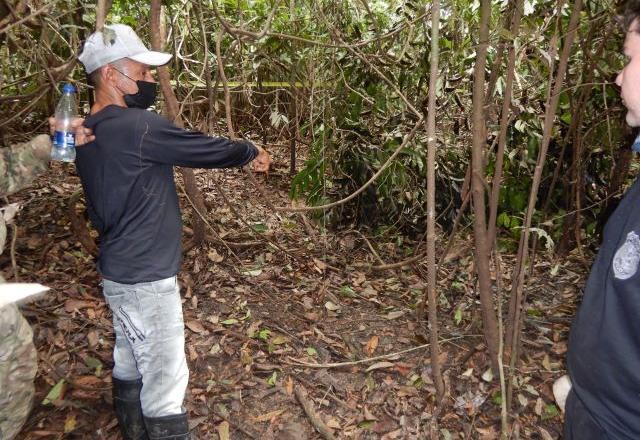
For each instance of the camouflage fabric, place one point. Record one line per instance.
(21, 163)
(18, 366)
(18, 358)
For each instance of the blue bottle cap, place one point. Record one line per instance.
(68, 88)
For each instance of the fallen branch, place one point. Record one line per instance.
(311, 413)
(371, 359)
(399, 264)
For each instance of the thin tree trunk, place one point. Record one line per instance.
(504, 122)
(516, 301)
(207, 70)
(189, 179)
(432, 299)
(482, 246)
(102, 10)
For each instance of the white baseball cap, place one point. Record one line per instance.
(118, 41)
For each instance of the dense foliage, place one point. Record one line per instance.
(316, 75)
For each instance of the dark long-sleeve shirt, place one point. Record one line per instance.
(127, 176)
(604, 345)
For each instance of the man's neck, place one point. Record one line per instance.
(106, 98)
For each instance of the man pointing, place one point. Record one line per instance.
(127, 176)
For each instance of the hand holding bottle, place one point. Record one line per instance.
(83, 134)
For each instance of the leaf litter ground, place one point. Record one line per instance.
(281, 294)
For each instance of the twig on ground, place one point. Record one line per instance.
(311, 413)
(367, 360)
(70, 381)
(235, 425)
(329, 395)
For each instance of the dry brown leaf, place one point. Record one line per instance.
(74, 304)
(70, 423)
(193, 354)
(379, 365)
(368, 415)
(269, 416)
(395, 315)
(544, 433)
(488, 433)
(289, 386)
(89, 381)
(333, 423)
(92, 337)
(372, 345)
(195, 326)
(321, 266)
(223, 430)
(331, 306)
(393, 435)
(215, 257)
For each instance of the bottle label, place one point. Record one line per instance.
(64, 139)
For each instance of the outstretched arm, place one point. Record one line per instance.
(21, 163)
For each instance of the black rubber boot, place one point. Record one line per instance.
(173, 427)
(126, 401)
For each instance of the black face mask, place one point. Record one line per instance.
(146, 95)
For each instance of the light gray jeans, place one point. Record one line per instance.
(149, 328)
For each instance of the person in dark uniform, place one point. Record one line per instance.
(604, 344)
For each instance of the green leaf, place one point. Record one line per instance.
(229, 321)
(95, 364)
(458, 316)
(311, 351)
(366, 424)
(497, 398)
(264, 334)
(347, 291)
(252, 273)
(259, 227)
(534, 312)
(279, 340)
(504, 220)
(272, 380)
(550, 411)
(54, 393)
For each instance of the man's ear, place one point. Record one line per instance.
(108, 75)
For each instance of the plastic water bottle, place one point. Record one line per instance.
(64, 139)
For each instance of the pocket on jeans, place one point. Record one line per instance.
(167, 286)
(115, 294)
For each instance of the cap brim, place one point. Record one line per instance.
(152, 58)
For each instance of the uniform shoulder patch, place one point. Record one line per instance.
(627, 257)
